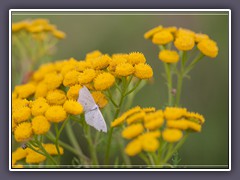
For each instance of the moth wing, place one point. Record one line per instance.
(95, 119)
(85, 99)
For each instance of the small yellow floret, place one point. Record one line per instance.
(149, 34)
(19, 154)
(132, 131)
(52, 149)
(39, 107)
(93, 54)
(73, 107)
(199, 37)
(172, 135)
(100, 99)
(59, 34)
(53, 80)
(208, 47)
(40, 125)
(86, 76)
(71, 78)
(143, 71)
(56, 114)
(56, 97)
(23, 132)
(33, 157)
(172, 113)
(104, 81)
(162, 37)
(21, 114)
(100, 62)
(124, 69)
(73, 92)
(134, 147)
(184, 43)
(136, 58)
(168, 56)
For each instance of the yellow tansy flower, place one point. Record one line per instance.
(136, 58)
(39, 107)
(184, 43)
(149, 34)
(134, 147)
(93, 54)
(196, 116)
(33, 157)
(40, 125)
(168, 56)
(171, 29)
(52, 149)
(153, 115)
(53, 80)
(143, 71)
(136, 117)
(73, 107)
(82, 65)
(19, 154)
(23, 132)
(25, 90)
(132, 131)
(100, 99)
(59, 34)
(21, 114)
(124, 69)
(86, 76)
(149, 109)
(41, 90)
(56, 97)
(104, 81)
(172, 113)
(19, 26)
(117, 59)
(18, 103)
(208, 47)
(73, 92)
(162, 38)
(71, 78)
(56, 114)
(199, 37)
(149, 143)
(154, 124)
(100, 62)
(185, 32)
(122, 118)
(172, 135)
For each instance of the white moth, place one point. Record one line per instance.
(93, 115)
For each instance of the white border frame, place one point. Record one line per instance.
(118, 10)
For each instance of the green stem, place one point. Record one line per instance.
(46, 153)
(193, 63)
(52, 138)
(179, 89)
(167, 67)
(174, 149)
(91, 147)
(73, 139)
(135, 87)
(125, 157)
(115, 116)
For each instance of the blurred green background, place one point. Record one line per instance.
(207, 92)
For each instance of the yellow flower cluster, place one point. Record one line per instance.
(32, 157)
(144, 124)
(40, 28)
(52, 92)
(183, 39)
